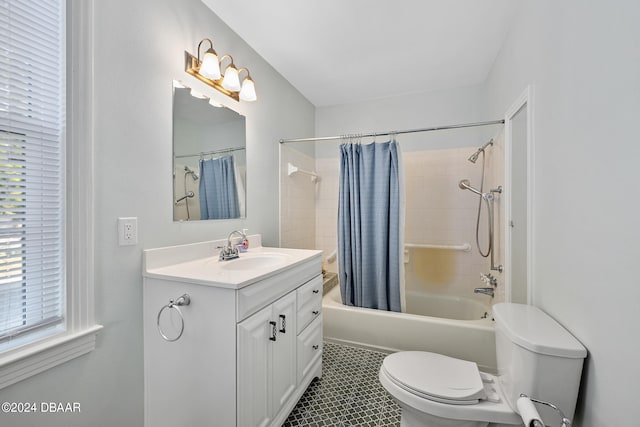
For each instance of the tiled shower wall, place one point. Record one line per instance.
(297, 201)
(437, 212)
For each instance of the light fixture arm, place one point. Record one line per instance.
(244, 69)
(230, 58)
(210, 47)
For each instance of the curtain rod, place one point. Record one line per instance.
(365, 135)
(206, 153)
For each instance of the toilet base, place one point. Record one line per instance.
(413, 418)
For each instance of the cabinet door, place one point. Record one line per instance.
(309, 348)
(284, 351)
(254, 376)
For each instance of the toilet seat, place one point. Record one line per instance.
(436, 377)
(494, 408)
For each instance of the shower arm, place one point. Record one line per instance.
(190, 194)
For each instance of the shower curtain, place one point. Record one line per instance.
(218, 191)
(369, 232)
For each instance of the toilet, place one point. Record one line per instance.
(535, 356)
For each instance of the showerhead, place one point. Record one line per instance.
(472, 158)
(188, 171)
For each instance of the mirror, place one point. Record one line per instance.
(209, 158)
(519, 225)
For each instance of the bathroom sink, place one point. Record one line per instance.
(199, 263)
(263, 260)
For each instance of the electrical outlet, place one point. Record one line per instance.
(128, 231)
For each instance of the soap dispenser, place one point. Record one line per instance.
(245, 241)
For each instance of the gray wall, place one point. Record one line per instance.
(139, 49)
(583, 59)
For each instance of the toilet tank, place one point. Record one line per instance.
(538, 357)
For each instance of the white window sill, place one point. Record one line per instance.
(30, 360)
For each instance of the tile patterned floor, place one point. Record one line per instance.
(349, 393)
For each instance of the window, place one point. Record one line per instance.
(46, 307)
(32, 125)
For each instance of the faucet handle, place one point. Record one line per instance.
(227, 253)
(489, 279)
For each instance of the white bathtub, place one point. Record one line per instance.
(466, 336)
(444, 306)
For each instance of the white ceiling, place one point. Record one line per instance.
(344, 51)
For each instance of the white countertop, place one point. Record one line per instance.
(198, 263)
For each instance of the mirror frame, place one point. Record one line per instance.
(524, 100)
(179, 84)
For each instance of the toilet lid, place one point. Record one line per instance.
(435, 376)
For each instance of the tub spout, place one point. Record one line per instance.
(486, 291)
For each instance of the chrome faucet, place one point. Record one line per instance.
(486, 291)
(230, 251)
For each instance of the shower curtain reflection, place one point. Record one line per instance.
(218, 190)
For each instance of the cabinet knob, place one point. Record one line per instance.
(315, 312)
(274, 331)
(315, 291)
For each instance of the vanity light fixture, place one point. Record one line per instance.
(248, 90)
(208, 71)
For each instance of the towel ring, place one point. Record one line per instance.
(174, 305)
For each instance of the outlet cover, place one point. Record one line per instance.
(127, 231)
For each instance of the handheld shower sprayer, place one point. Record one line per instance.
(488, 197)
(472, 158)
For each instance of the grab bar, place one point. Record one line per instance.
(466, 247)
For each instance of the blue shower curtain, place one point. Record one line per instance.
(218, 191)
(369, 226)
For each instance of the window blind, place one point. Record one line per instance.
(32, 120)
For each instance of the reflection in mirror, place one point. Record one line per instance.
(209, 159)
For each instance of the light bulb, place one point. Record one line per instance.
(210, 67)
(231, 81)
(248, 91)
(197, 94)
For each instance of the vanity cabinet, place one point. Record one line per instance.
(279, 348)
(267, 361)
(248, 351)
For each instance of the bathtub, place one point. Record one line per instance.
(453, 327)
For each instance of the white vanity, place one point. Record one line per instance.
(246, 346)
